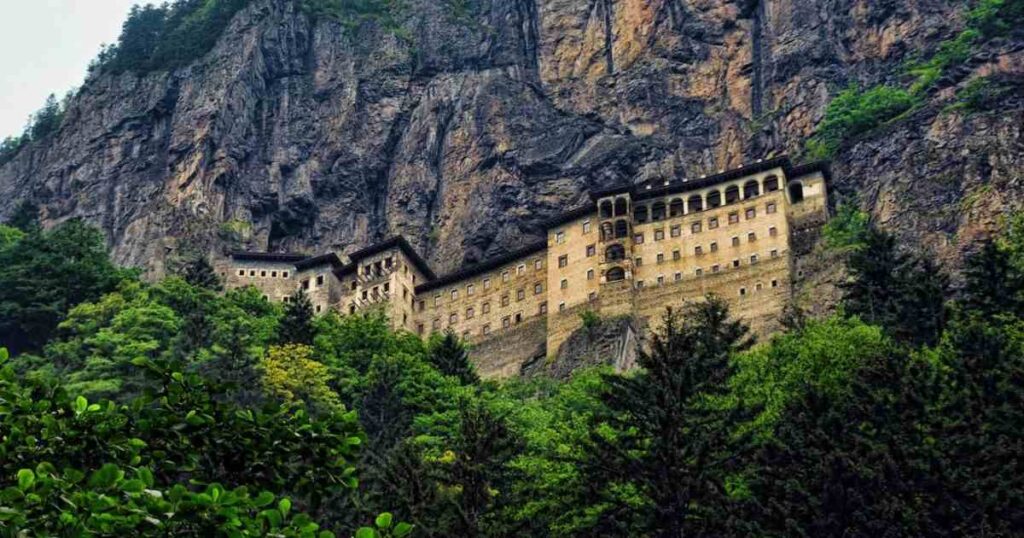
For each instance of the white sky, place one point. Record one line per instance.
(45, 47)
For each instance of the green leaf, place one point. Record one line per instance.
(263, 499)
(402, 529)
(133, 486)
(366, 532)
(25, 479)
(81, 404)
(284, 505)
(384, 521)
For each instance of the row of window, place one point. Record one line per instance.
(538, 289)
(263, 273)
(506, 276)
(716, 268)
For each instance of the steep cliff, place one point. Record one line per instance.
(471, 129)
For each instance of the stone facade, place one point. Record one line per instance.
(635, 251)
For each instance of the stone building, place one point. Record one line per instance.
(635, 250)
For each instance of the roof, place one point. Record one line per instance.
(330, 258)
(482, 267)
(268, 257)
(568, 216)
(398, 242)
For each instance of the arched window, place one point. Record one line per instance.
(675, 208)
(640, 214)
(615, 274)
(751, 189)
(796, 192)
(607, 231)
(732, 195)
(695, 203)
(714, 199)
(771, 184)
(621, 207)
(606, 209)
(658, 211)
(614, 252)
(621, 228)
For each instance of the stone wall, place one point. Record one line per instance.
(610, 342)
(504, 354)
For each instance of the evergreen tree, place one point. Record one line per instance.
(25, 216)
(297, 325)
(660, 460)
(450, 356)
(48, 119)
(200, 273)
(902, 293)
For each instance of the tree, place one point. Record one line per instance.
(297, 324)
(290, 373)
(47, 120)
(659, 460)
(25, 216)
(449, 355)
(902, 293)
(44, 275)
(199, 272)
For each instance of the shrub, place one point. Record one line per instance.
(847, 230)
(855, 112)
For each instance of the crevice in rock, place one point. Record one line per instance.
(609, 38)
(757, 60)
(530, 34)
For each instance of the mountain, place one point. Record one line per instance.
(465, 124)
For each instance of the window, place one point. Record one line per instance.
(252, 272)
(520, 294)
(639, 283)
(422, 306)
(563, 261)
(676, 255)
(736, 263)
(543, 308)
(775, 283)
(661, 257)
(675, 231)
(679, 276)
(538, 265)
(751, 213)
(318, 308)
(538, 288)
(263, 274)
(592, 296)
(586, 226)
(753, 259)
(698, 250)
(700, 272)
(638, 239)
(305, 284)
(453, 318)
(437, 300)
(751, 237)
(504, 300)
(455, 295)
(559, 237)
(713, 223)
(419, 326)
(659, 235)
(486, 329)
(387, 286)
(437, 324)
(714, 246)
(770, 208)
(273, 274)
(354, 285)
(736, 241)
(241, 272)
(504, 276)
(695, 227)
(487, 284)
(565, 284)
(734, 218)
(743, 291)
(366, 295)
(715, 268)
(520, 269)
(638, 262)
(284, 274)
(590, 274)
(519, 318)
(775, 253)
(591, 250)
(758, 287)
(561, 307)
(506, 322)
(773, 232)
(485, 308)
(661, 280)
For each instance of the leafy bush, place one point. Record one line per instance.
(590, 319)
(978, 94)
(354, 13)
(996, 17)
(847, 230)
(950, 53)
(854, 112)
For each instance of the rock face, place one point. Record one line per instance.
(299, 135)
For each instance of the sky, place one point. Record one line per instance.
(46, 46)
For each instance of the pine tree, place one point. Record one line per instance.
(297, 324)
(25, 216)
(992, 284)
(200, 273)
(662, 470)
(449, 355)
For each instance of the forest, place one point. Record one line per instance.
(130, 407)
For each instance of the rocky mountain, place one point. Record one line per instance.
(468, 128)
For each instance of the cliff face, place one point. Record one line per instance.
(295, 134)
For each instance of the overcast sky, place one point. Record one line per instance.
(45, 47)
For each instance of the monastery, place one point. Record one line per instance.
(633, 251)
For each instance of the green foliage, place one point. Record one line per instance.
(9, 236)
(172, 35)
(25, 216)
(43, 275)
(200, 273)
(354, 13)
(451, 357)
(290, 373)
(996, 17)
(590, 319)
(43, 123)
(981, 93)
(853, 112)
(951, 53)
(847, 230)
(297, 324)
